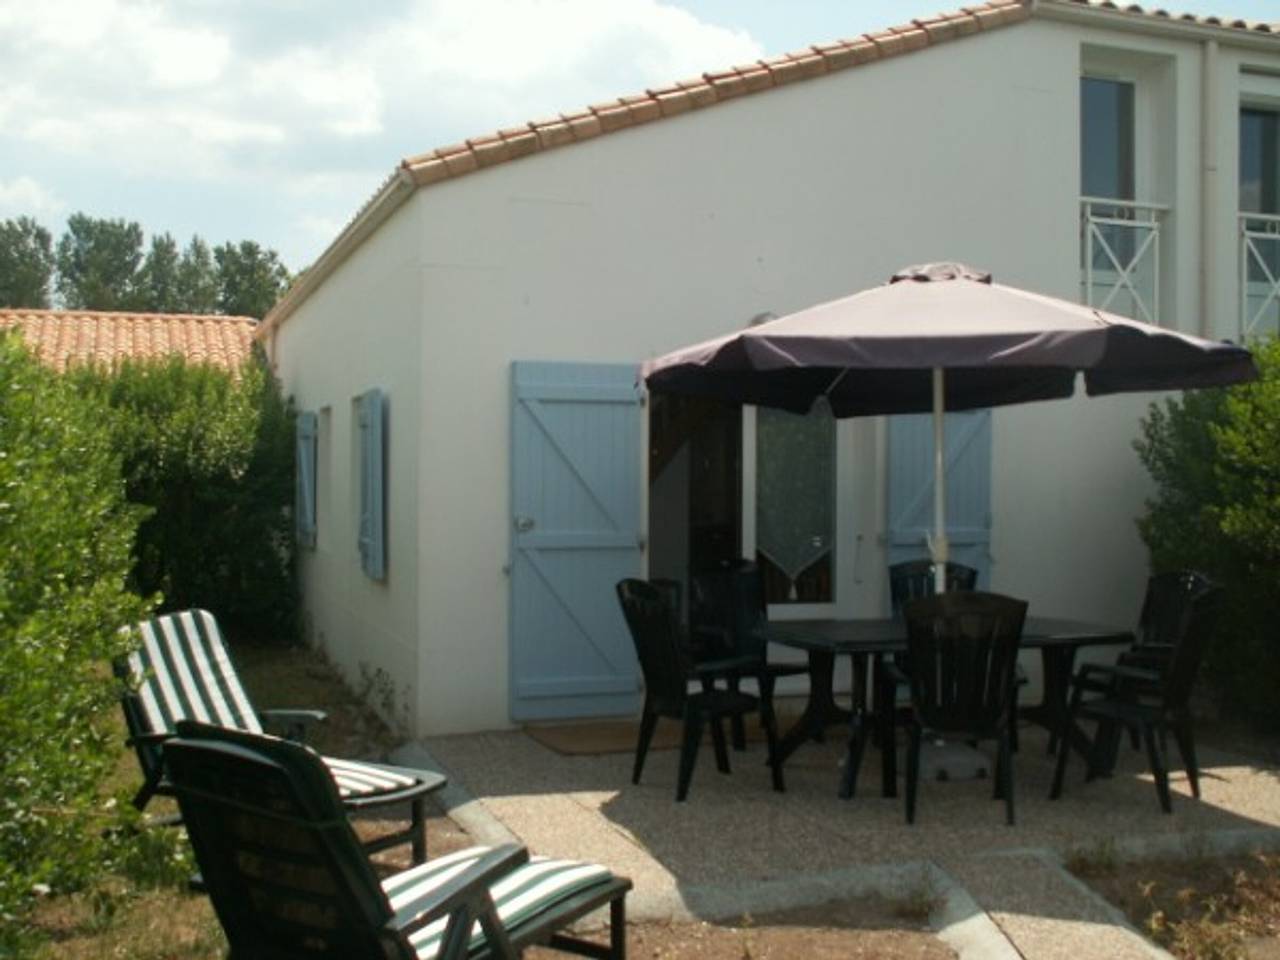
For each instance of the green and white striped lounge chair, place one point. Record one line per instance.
(287, 876)
(181, 671)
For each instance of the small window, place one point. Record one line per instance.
(1259, 161)
(1260, 196)
(1107, 165)
(1106, 139)
(305, 472)
(372, 416)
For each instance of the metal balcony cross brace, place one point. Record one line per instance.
(1257, 231)
(1124, 275)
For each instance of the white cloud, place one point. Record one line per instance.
(504, 61)
(252, 98)
(342, 96)
(28, 197)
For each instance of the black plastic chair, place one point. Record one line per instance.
(289, 879)
(912, 580)
(1164, 617)
(962, 656)
(916, 578)
(668, 670)
(728, 617)
(1149, 701)
(1162, 621)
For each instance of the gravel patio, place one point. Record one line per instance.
(736, 846)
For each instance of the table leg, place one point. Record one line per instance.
(1053, 712)
(821, 711)
(886, 697)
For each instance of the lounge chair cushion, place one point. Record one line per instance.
(184, 672)
(518, 896)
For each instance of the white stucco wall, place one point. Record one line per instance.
(632, 244)
(363, 329)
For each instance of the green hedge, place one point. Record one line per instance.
(66, 533)
(211, 456)
(1215, 458)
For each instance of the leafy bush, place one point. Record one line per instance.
(1215, 459)
(212, 455)
(66, 532)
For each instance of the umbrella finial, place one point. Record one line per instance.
(929, 272)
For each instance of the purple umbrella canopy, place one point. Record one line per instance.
(940, 337)
(874, 352)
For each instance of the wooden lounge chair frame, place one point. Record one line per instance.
(288, 878)
(182, 671)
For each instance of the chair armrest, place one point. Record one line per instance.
(147, 739)
(1150, 656)
(1103, 672)
(715, 668)
(292, 724)
(441, 900)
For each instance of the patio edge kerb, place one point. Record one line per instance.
(1053, 860)
(464, 809)
(964, 926)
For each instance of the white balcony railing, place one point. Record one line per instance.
(1259, 274)
(1120, 256)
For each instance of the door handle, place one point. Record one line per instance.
(524, 524)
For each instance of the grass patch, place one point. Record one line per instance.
(1202, 908)
(1096, 859)
(142, 910)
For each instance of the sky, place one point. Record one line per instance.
(274, 120)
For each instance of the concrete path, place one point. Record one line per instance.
(736, 847)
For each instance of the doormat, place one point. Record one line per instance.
(595, 737)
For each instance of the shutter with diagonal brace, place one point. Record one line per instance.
(968, 469)
(372, 539)
(305, 505)
(575, 493)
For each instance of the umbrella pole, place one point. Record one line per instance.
(939, 547)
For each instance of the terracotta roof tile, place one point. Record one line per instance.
(718, 86)
(62, 338)
(1138, 10)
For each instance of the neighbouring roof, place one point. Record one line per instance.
(61, 338)
(717, 87)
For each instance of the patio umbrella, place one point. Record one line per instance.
(941, 337)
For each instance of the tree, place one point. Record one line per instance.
(66, 534)
(250, 279)
(26, 263)
(98, 263)
(1215, 458)
(197, 279)
(157, 282)
(210, 456)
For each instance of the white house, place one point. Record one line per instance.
(480, 467)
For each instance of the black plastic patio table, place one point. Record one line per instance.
(863, 638)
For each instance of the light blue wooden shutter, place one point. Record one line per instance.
(373, 546)
(968, 465)
(576, 487)
(305, 505)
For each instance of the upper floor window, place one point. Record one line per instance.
(1106, 138)
(1259, 161)
(1260, 220)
